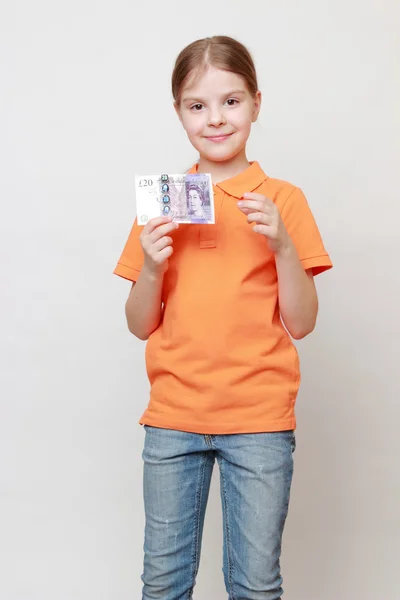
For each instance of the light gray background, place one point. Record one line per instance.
(85, 104)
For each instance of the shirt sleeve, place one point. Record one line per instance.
(303, 230)
(131, 261)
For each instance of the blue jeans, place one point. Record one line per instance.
(255, 475)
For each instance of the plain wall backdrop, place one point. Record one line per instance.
(85, 104)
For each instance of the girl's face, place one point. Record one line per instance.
(195, 202)
(217, 110)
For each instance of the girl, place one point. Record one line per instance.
(217, 304)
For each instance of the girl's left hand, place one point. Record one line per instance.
(267, 220)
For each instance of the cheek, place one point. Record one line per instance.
(243, 120)
(193, 126)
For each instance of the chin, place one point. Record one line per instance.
(220, 154)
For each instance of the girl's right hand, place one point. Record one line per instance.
(157, 244)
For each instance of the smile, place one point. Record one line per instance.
(218, 138)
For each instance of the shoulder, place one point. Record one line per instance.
(279, 191)
(289, 198)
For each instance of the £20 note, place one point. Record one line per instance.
(186, 198)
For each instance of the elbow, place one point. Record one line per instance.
(134, 326)
(141, 332)
(299, 333)
(140, 335)
(134, 329)
(143, 337)
(300, 330)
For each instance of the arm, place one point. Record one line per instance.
(143, 307)
(298, 300)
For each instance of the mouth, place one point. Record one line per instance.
(218, 138)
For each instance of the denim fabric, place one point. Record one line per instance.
(255, 476)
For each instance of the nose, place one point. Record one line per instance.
(216, 118)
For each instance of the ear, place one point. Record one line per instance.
(257, 105)
(178, 111)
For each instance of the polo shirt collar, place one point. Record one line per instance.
(246, 181)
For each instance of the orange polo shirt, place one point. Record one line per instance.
(221, 361)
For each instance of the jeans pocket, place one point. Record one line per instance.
(293, 442)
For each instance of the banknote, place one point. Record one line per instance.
(186, 198)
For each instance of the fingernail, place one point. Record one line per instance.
(240, 203)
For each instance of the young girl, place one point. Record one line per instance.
(217, 304)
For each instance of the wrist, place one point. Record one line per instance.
(151, 275)
(285, 250)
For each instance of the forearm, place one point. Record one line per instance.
(298, 301)
(143, 307)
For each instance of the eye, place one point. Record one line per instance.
(231, 102)
(196, 107)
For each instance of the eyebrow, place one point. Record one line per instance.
(229, 95)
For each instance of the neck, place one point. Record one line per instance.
(225, 169)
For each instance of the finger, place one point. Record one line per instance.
(255, 196)
(158, 258)
(156, 222)
(261, 218)
(266, 230)
(164, 254)
(248, 206)
(162, 243)
(161, 231)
